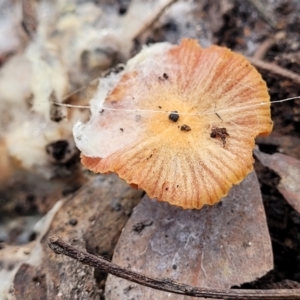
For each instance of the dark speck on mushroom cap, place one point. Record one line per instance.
(185, 128)
(174, 116)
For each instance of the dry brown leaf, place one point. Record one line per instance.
(100, 212)
(288, 169)
(92, 220)
(287, 144)
(216, 247)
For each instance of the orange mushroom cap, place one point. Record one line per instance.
(178, 122)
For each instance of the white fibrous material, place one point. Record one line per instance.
(73, 43)
(15, 81)
(92, 137)
(49, 80)
(10, 20)
(31, 254)
(27, 141)
(100, 136)
(147, 57)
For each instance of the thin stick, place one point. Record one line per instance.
(166, 285)
(262, 50)
(275, 69)
(154, 17)
(29, 21)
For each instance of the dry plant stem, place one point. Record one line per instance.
(264, 48)
(275, 69)
(264, 13)
(29, 21)
(166, 285)
(155, 16)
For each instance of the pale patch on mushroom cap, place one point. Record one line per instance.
(179, 161)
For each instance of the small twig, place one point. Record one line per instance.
(29, 21)
(275, 69)
(166, 285)
(262, 50)
(264, 13)
(154, 17)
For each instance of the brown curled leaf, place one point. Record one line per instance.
(288, 169)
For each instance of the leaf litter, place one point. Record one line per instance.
(222, 33)
(206, 248)
(288, 168)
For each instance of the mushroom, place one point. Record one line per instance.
(179, 122)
